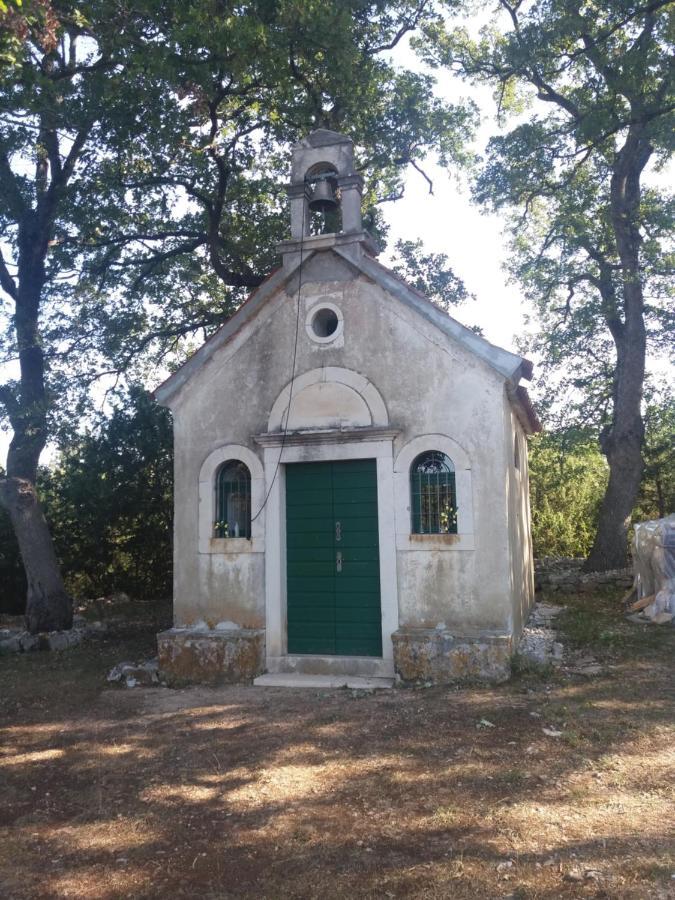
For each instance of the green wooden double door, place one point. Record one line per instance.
(332, 559)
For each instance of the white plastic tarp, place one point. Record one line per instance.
(654, 564)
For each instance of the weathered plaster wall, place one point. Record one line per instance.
(520, 535)
(430, 385)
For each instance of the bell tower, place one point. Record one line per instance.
(323, 178)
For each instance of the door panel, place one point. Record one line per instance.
(333, 568)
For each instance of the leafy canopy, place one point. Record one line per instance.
(183, 116)
(573, 83)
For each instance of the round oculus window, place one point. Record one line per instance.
(324, 323)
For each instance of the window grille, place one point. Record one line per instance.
(233, 501)
(433, 495)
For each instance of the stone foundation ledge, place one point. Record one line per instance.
(437, 656)
(189, 656)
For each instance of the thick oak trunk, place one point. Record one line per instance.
(622, 441)
(610, 548)
(48, 605)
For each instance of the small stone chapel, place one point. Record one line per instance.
(351, 481)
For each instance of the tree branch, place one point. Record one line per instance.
(11, 404)
(423, 174)
(408, 26)
(7, 283)
(17, 204)
(545, 91)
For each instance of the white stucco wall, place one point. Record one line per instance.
(520, 534)
(430, 386)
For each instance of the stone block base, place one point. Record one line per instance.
(211, 657)
(439, 657)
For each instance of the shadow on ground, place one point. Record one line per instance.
(271, 793)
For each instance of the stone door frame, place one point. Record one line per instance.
(330, 446)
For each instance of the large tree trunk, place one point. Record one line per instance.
(622, 445)
(48, 605)
(622, 441)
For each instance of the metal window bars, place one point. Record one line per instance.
(433, 494)
(233, 501)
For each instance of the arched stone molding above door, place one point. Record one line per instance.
(464, 539)
(329, 397)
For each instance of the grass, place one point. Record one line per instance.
(597, 623)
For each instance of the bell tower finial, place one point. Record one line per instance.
(323, 178)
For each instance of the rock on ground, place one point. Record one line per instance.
(18, 640)
(135, 673)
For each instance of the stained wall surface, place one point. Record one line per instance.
(437, 395)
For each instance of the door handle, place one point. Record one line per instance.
(338, 531)
(338, 561)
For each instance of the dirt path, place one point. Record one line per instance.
(268, 793)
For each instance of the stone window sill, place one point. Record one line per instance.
(234, 546)
(442, 542)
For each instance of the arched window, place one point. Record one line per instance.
(233, 501)
(432, 494)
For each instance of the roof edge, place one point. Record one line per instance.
(508, 364)
(247, 311)
(524, 408)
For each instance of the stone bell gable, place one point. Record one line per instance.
(350, 470)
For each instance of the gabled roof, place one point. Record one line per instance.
(511, 366)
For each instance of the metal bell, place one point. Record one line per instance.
(323, 198)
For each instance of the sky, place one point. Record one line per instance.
(447, 222)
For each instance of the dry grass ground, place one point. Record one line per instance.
(267, 793)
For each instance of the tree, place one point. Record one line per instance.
(430, 274)
(204, 199)
(12, 576)
(141, 148)
(657, 493)
(591, 89)
(568, 477)
(18, 18)
(52, 105)
(109, 497)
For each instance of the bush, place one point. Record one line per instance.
(109, 502)
(568, 476)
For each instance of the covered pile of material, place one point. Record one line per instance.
(654, 562)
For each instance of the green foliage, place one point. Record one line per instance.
(110, 502)
(657, 494)
(430, 274)
(568, 476)
(18, 20)
(183, 116)
(586, 104)
(585, 95)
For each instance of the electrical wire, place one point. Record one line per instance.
(295, 357)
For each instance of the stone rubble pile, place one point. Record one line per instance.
(15, 639)
(654, 555)
(133, 674)
(539, 642)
